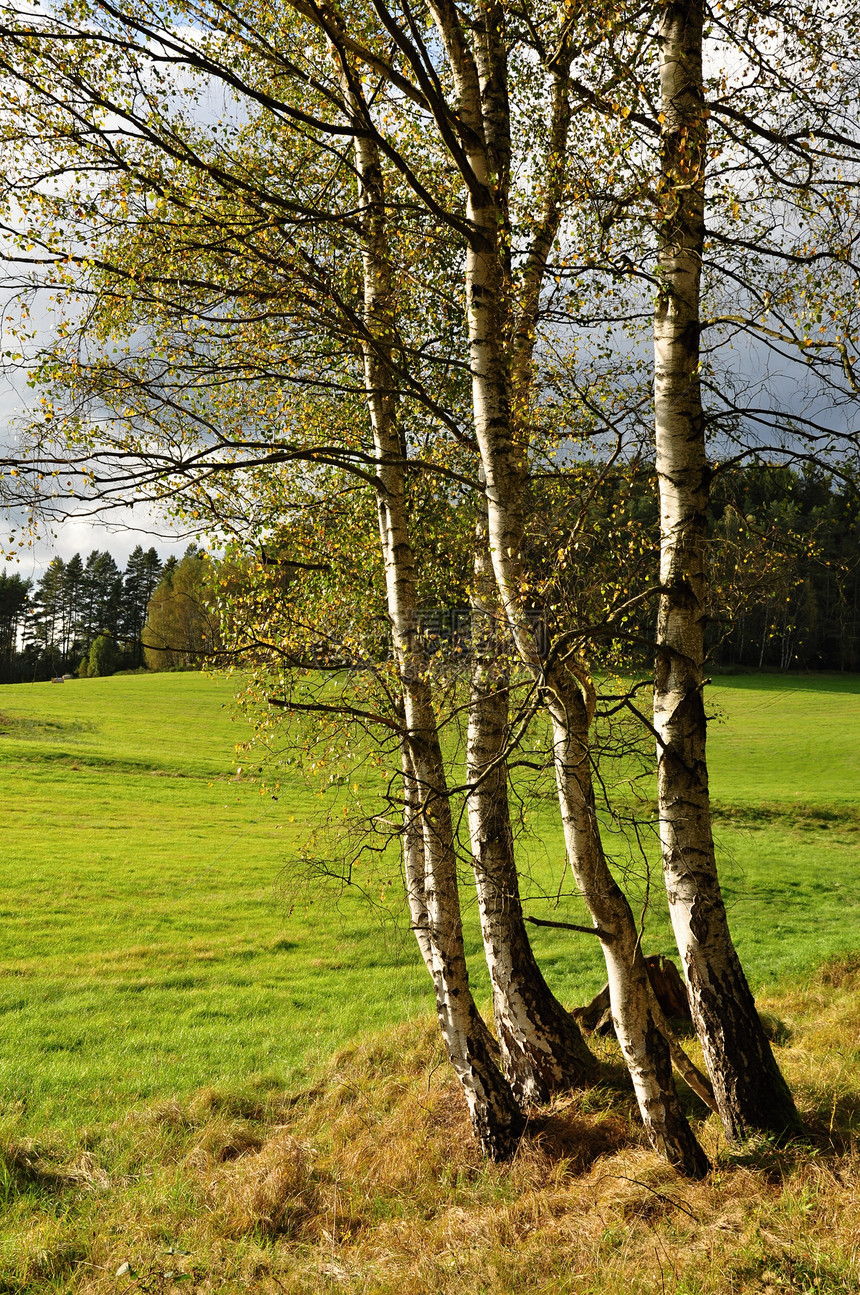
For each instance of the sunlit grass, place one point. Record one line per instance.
(368, 1181)
(153, 939)
(147, 942)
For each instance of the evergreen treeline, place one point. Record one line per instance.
(789, 542)
(49, 629)
(785, 558)
(785, 566)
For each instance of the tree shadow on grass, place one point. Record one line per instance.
(30, 1172)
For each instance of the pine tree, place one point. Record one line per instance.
(72, 609)
(102, 596)
(43, 630)
(139, 582)
(14, 595)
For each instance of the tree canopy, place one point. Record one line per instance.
(370, 292)
(49, 626)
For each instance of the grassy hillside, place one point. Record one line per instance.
(174, 1113)
(153, 940)
(369, 1183)
(147, 940)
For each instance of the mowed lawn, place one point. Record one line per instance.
(785, 762)
(154, 940)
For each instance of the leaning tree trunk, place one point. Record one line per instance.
(414, 875)
(480, 85)
(749, 1088)
(495, 1116)
(639, 1029)
(542, 1048)
(413, 859)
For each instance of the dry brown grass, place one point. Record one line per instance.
(371, 1183)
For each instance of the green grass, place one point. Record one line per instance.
(785, 774)
(369, 1182)
(784, 759)
(151, 942)
(146, 942)
(785, 739)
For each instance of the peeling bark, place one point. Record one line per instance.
(749, 1088)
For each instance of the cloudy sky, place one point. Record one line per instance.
(119, 532)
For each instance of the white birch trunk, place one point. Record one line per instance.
(414, 876)
(488, 304)
(413, 860)
(495, 1116)
(640, 1036)
(748, 1086)
(543, 1051)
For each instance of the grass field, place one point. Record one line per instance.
(151, 941)
(172, 1115)
(147, 945)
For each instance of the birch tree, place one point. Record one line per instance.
(748, 132)
(750, 1090)
(501, 338)
(540, 1054)
(504, 241)
(776, 243)
(541, 1045)
(494, 1113)
(472, 121)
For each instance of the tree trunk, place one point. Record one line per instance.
(495, 1116)
(749, 1088)
(414, 876)
(481, 91)
(542, 1048)
(413, 859)
(643, 1044)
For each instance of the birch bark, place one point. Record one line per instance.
(414, 876)
(413, 860)
(542, 1048)
(480, 85)
(496, 1118)
(748, 1086)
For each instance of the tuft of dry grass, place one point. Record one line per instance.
(370, 1183)
(271, 1193)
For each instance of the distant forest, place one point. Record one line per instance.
(786, 565)
(88, 616)
(785, 558)
(784, 553)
